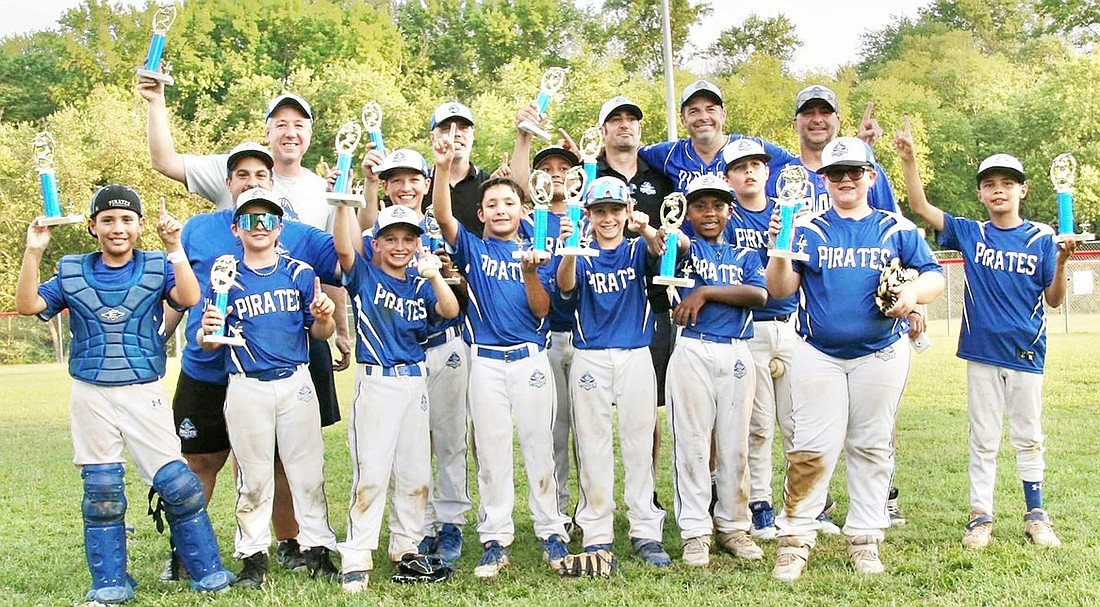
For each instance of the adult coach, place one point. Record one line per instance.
(464, 178)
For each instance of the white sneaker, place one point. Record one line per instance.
(697, 551)
(493, 559)
(354, 582)
(979, 530)
(1039, 529)
(740, 544)
(863, 552)
(790, 559)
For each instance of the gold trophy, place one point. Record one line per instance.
(223, 275)
(673, 213)
(347, 139)
(791, 187)
(371, 118)
(44, 145)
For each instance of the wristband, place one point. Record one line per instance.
(175, 257)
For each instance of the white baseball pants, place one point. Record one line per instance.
(448, 379)
(561, 360)
(770, 403)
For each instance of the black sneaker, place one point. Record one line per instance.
(174, 571)
(319, 564)
(254, 571)
(289, 554)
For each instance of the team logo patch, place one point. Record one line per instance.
(187, 430)
(739, 369)
(423, 402)
(587, 381)
(454, 361)
(840, 149)
(112, 315)
(647, 188)
(744, 145)
(288, 209)
(538, 379)
(886, 354)
(304, 392)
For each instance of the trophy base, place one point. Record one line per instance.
(785, 254)
(160, 77)
(223, 339)
(59, 220)
(345, 200)
(1085, 237)
(523, 253)
(577, 252)
(674, 281)
(530, 127)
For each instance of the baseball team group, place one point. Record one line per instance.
(474, 323)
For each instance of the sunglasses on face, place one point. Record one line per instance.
(853, 173)
(249, 221)
(609, 191)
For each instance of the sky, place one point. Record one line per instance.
(830, 32)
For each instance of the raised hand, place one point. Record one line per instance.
(150, 90)
(371, 159)
(869, 129)
(428, 264)
(637, 221)
(443, 148)
(38, 236)
(322, 306)
(505, 169)
(168, 228)
(903, 140)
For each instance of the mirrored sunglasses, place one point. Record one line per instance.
(249, 221)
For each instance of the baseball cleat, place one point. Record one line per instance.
(863, 552)
(354, 582)
(1039, 529)
(254, 572)
(897, 519)
(651, 551)
(289, 555)
(173, 571)
(978, 530)
(763, 521)
(319, 564)
(493, 559)
(790, 559)
(697, 551)
(448, 544)
(740, 544)
(427, 545)
(554, 550)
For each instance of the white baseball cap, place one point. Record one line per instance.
(709, 185)
(1004, 163)
(403, 158)
(615, 104)
(816, 92)
(847, 152)
(700, 87)
(289, 99)
(248, 148)
(448, 110)
(261, 195)
(397, 215)
(742, 148)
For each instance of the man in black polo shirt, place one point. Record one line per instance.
(465, 177)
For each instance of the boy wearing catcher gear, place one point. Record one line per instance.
(274, 301)
(849, 371)
(389, 427)
(1012, 266)
(612, 366)
(711, 379)
(117, 359)
(509, 371)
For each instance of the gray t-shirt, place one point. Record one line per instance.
(302, 198)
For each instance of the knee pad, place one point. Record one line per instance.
(180, 490)
(104, 494)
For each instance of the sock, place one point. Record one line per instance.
(1033, 494)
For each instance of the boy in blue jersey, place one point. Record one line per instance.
(611, 366)
(273, 302)
(116, 360)
(849, 371)
(1012, 265)
(389, 425)
(509, 371)
(711, 379)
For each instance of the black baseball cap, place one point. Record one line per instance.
(115, 196)
(555, 150)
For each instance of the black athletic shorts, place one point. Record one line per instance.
(198, 408)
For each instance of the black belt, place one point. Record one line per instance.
(716, 339)
(412, 370)
(441, 338)
(508, 355)
(783, 318)
(271, 374)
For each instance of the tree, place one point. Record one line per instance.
(771, 37)
(635, 30)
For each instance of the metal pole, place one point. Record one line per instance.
(670, 94)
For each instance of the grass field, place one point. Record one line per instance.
(42, 561)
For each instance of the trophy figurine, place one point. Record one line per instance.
(673, 212)
(552, 81)
(162, 20)
(44, 145)
(223, 275)
(347, 139)
(371, 117)
(574, 184)
(590, 144)
(1063, 172)
(435, 241)
(791, 187)
(542, 191)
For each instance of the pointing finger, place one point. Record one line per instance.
(316, 288)
(454, 126)
(867, 112)
(163, 209)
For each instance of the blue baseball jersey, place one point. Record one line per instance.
(612, 310)
(560, 317)
(392, 316)
(1007, 270)
(208, 236)
(269, 308)
(880, 196)
(681, 163)
(721, 264)
(749, 229)
(837, 313)
(498, 313)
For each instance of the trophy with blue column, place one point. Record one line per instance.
(575, 182)
(371, 118)
(347, 139)
(541, 187)
(223, 275)
(1063, 172)
(590, 144)
(163, 18)
(44, 146)
(791, 186)
(435, 242)
(552, 81)
(673, 213)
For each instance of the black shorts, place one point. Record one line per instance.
(320, 370)
(199, 411)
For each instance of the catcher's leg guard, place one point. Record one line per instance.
(104, 509)
(192, 534)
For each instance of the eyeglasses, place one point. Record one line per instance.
(250, 221)
(837, 175)
(608, 190)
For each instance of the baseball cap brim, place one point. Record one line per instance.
(270, 205)
(626, 104)
(1002, 169)
(292, 100)
(545, 153)
(726, 195)
(845, 163)
(245, 152)
(714, 96)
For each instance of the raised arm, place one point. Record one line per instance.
(321, 308)
(537, 297)
(186, 292)
(27, 300)
(443, 152)
(369, 214)
(521, 151)
(344, 233)
(428, 265)
(162, 148)
(914, 189)
(1055, 293)
(567, 267)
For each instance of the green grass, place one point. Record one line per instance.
(42, 561)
